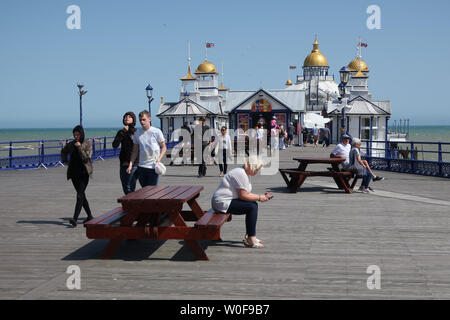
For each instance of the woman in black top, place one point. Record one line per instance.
(79, 170)
(124, 138)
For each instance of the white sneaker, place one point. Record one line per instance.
(370, 189)
(363, 190)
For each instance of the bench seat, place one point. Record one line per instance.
(213, 220)
(107, 219)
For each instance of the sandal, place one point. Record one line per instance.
(257, 245)
(246, 239)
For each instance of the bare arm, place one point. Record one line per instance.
(162, 144)
(332, 155)
(246, 196)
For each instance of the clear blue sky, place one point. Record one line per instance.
(123, 45)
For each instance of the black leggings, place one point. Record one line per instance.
(223, 167)
(80, 184)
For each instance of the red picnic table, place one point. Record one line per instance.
(155, 212)
(295, 177)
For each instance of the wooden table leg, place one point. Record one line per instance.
(344, 184)
(301, 179)
(195, 207)
(198, 252)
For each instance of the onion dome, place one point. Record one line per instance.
(189, 75)
(358, 65)
(288, 83)
(222, 88)
(315, 58)
(206, 67)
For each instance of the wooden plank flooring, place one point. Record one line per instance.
(319, 242)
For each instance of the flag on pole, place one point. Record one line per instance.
(362, 44)
(292, 67)
(209, 44)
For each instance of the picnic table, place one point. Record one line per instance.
(155, 212)
(295, 177)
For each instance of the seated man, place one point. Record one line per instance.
(342, 149)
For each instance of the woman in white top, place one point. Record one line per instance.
(224, 150)
(234, 196)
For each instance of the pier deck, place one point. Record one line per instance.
(319, 241)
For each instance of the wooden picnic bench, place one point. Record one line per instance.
(294, 177)
(155, 212)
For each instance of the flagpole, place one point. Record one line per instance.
(189, 53)
(206, 51)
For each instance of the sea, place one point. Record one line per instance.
(23, 136)
(416, 133)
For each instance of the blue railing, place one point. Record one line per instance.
(47, 153)
(415, 157)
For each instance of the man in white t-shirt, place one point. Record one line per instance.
(150, 144)
(342, 150)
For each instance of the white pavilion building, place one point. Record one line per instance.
(313, 92)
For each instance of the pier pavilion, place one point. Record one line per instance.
(314, 92)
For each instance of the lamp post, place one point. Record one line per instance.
(149, 91)
(344, 73)
(81, 93)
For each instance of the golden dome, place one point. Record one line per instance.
(315, 58)
(358, 65)
(288, 83)
(189, 75)
(359, 74)
(206, 67)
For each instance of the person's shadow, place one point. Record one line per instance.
(63, 222)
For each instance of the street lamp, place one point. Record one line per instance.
(149, 90)
(344, 73)
(81, 93)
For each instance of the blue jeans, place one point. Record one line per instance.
(128, 180)
(147, 177)
(250, 209)
(366, 179)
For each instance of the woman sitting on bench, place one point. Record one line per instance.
(234, 196)
(360, 167)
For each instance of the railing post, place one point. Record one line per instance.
(93, 150)
(42, 151)
(440, 158)
(413, 163)
(104, 146)
(10, 153)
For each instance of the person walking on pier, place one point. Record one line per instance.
(124, 138)
(150, 145)
(79, 170)
(202, 165)
(316, 135)
(223, 150)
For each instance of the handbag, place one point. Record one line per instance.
(160, 168)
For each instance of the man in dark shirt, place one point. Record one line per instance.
(291, 132)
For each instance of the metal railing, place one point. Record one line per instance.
(47, 153)
(416, 157)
